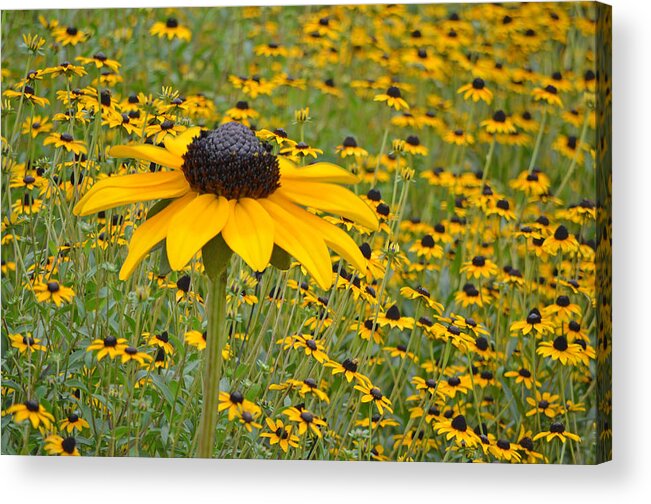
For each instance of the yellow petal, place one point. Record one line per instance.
(329, 198)
(178, 145)
(147, 152)
(317, 172)
(302, 242)
(249, 232)
(151, 232)
(195, 225)
(116, 191)
(334, 237)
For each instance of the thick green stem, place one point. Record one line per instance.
(212, 364)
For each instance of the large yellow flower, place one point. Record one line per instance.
(227, 181)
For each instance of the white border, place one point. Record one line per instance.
(628, 479)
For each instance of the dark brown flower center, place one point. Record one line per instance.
(230, 161)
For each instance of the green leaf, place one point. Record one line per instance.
(160, 205)
(216, 256)
(280, 259)
(163, 263)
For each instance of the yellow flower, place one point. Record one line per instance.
(249, 198)
(393, 98)
(171, 29)
(52, 291)
(32, 411)
(56, 445)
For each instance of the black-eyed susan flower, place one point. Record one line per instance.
(235, 403)
(349, 147)
(69, 35)
(57, 445)
(548, 94)
(52, 291)
(475, 91)
(393, 318)
(280, 434)
(171, 29)
(568, 354)
(28, 94)
(306, 421)
(393, 98)
(374, 395)
(73, 422)
(499, 123)
(557, 431)
(504, 450)
(109, 346)
(161, 340)
(457, 429)
(33, 411)
(26, 343)
(524, 376)
(479, 267)
(36, 125)
(544, 403)
(100, 60)
(130, 353)
(533, 322)
(249, 197)
(349, 369)
(458, 137)
(561, 241)
(67, 141)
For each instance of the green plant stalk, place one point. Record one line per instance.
(212, 364)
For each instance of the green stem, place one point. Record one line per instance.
(212, 365)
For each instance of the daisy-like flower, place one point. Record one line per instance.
(26, 342)
(475, 91)
(562, 310)
(503, 450)
(349, 147)
(458, 430)
(545, 404)
(69, 35)
(305, 420)
(100, 61)
(480, 267)
(532, 184)
(561, 241)
(301, 149)
(500, 123)
(67, 141)
(557, 431)
(225, 182)
(306, 342)
(349, 369)
(524, 376)
(28, 94)
(393, 319)
(427, 248)
(422, 293)
(161, 340)
(569, 354)
(52, 291)
(57, 445)
(36, 125)
(533, 322)
(393, 98)
(196, 339)
(374, 395)
(33, 411)
(110, 346)
(73, 421)
(548, 94)
(458, 137)
(280, 434)
(171, 29)
(235, 403)
(130, 353)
